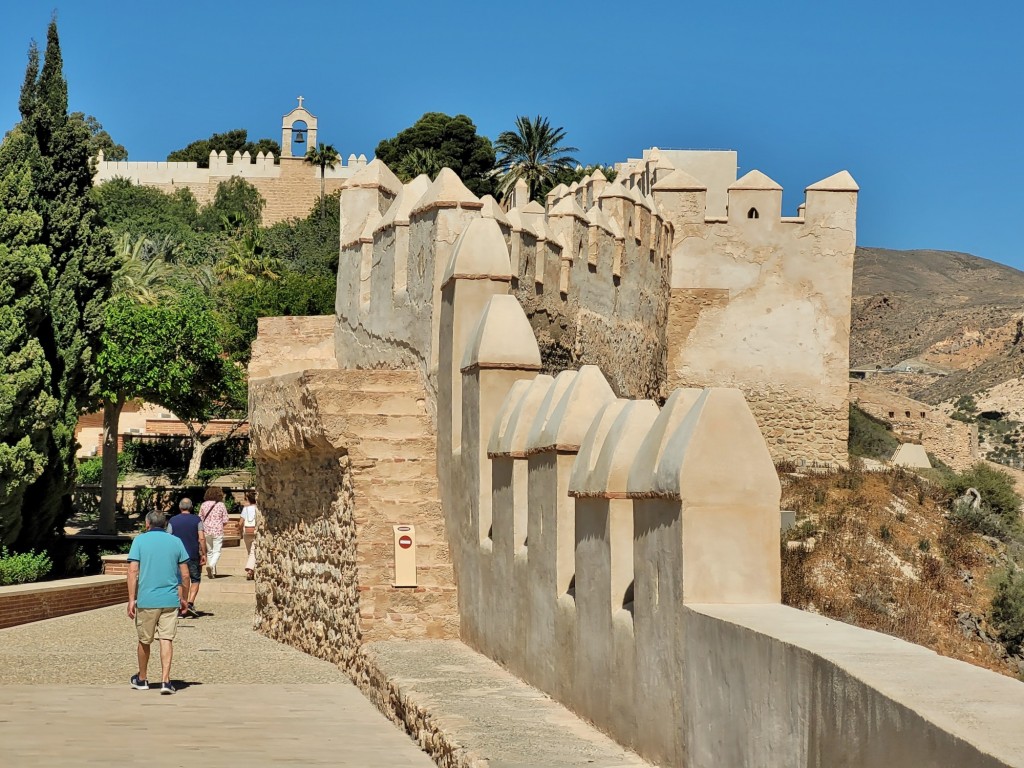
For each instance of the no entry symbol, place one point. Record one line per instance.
(405, 542)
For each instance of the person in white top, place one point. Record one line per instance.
(249, 533)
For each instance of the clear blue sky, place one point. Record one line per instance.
(920, 101)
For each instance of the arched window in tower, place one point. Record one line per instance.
(300, 136)
(753, 214)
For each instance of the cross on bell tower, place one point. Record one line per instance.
(298, 131)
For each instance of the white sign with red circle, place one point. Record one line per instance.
(405, 541)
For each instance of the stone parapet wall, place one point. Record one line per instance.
(594, 282)
(952, 441)
(24, 603)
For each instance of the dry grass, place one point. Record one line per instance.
(874, 549)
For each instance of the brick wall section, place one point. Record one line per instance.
(175, 428)
(285, 344)
(24, 603)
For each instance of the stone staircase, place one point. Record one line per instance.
(392, 446)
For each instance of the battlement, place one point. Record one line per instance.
(590, 280)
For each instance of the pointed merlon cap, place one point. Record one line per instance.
(375, 175)
(502, 338)
(679, 181)
(480, 253)
(613, 190)
(837, 182)
(373, 219)
(557, 191)
(504, 417)
(639, 199)
(568, 206)
(755, 180)
(547, 407)
(407, 199)
(717, 457)
(598, 175)
(512, 437)
(448, 191)
(515, 219)
(585, 396)
(492, 210)
(533, 207)
(608, 450)
(640, 482)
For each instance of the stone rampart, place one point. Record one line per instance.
(284, 344)
(624, 558)
(594, 282)
(761, 301)
(952, 441)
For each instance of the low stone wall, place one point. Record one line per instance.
(24, 603)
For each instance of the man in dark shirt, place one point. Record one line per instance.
(189, 528)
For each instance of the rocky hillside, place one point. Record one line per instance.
(952, 310)
(878, 549)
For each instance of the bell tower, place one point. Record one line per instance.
(298, 131)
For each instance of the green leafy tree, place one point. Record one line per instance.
(237, 205)
(456, 144)
(139, 211)
(1008, 609)
(323, 156)
(99, 139)
(139, 281)
(236, 140)
(247, 259)
(534, 153)
(311, 244)
(171, 354)
(78, 278)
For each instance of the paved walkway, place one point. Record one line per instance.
(243, 700)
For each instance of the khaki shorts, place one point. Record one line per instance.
(156, 623)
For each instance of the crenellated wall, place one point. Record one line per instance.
(761, 302)
(624, 558)
(594, 282)
(290, 188)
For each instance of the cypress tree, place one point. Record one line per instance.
(78, 279)
(27, 409)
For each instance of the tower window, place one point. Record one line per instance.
(753, 214)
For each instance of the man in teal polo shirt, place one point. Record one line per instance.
(158, 584)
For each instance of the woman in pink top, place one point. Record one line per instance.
(213, 515)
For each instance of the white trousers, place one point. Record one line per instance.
(213, 545)
(250, 548)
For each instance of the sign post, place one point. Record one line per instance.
(405, 555)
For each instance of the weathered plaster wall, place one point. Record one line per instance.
(955, 442)
(762, 302)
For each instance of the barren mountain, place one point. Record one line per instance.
(951, 310)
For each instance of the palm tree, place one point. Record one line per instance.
(420, 160)
(248, 260)
(143, 277)
(325, 156)
(533, 153)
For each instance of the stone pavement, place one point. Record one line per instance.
(243, 700)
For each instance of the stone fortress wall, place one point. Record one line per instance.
(290, 187)
(760, 301)
(952, 441)
(621, 556)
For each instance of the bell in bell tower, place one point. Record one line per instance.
(298, 131)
